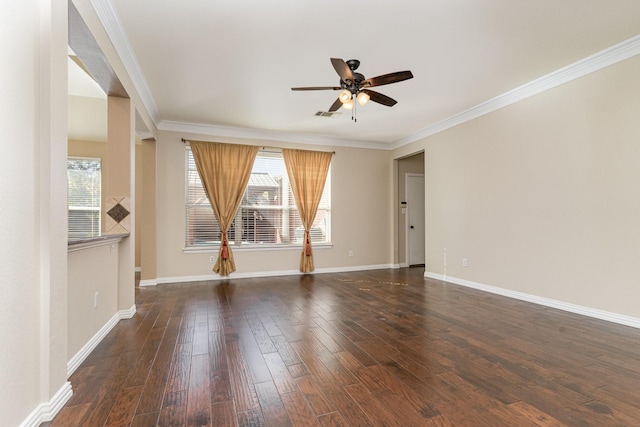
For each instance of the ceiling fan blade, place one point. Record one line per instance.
(336, 105)
(380, 98)
(386, 79)
(342, 69)
(317, 88)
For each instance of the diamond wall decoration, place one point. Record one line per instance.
(118, 213)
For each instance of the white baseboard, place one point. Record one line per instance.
(147, 282)
(235, 275)
(81, 355)
(127, 314)
(547, 302)
(48, 410)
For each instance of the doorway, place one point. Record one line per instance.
(415, 222)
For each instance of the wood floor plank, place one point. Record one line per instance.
(345, 405)
(376, 411)
(383, 347)
(299, 411)
(289, 356)
(332, 419)
(198, 395)
(174, 409)
(283, 380)
(145, 420)
(311, 392)
(221, 390)
(271, 404)
(243, 389)
(251, 418)
(124, 407)
(223, 414)
(262, 337)
(533, 415)
(156, 381)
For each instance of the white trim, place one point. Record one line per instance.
(127, 314)
(275, 273)
(81, 355)
(48, 410)
(268, 135)
(111, 23)
(547, 302)
(249, 247)
(147, 282)
(402, 265)
(588, 65)
(138, 269)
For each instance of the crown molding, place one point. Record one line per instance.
(268, 135)
(588, 65)
(111, 23)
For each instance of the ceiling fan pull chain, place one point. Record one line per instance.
(354, 114)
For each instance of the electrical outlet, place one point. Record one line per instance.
(465, 263)
(212, 259)
(95, 300)
(350, 253)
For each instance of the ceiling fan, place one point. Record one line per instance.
(354, 86)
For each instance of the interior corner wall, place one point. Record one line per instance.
(360, 215)
(542, 197)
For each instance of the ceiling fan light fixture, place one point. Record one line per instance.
(348, 105)
(345, 96)
(363, 98)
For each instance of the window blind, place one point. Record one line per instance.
(267, 215)
(84, 196)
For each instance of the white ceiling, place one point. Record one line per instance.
(229, 65)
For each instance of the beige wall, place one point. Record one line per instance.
(146, 202)
(138, 204)
(91, 270)
(361, 215)
(541, 197)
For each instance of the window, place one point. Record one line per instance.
(267, 216)
(83, 197)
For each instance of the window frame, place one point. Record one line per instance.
(97, 209)
(245, 246)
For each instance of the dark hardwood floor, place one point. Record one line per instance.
(375, 348)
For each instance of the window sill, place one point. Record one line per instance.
(255, 248)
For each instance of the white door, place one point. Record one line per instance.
(414, 189)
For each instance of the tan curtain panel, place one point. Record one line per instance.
(224, 170)
(307, 172)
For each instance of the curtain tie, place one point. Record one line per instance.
(224, 251)
(307, 246)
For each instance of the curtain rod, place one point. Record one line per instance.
(264, 147)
